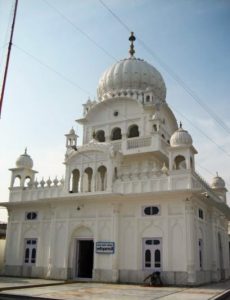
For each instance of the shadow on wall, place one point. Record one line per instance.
(2, 244)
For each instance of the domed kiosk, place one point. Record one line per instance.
(24, 161)
(23, 174)
(180, 138)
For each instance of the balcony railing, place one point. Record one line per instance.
(151, 143)
(138, 142)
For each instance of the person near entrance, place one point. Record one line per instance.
(155, 279)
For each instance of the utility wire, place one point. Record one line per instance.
(128, 29)
(52, 70)
(80, 30)
(172, 73)
(202, 132)
(7, 33)
(73, 83)
(207, 170)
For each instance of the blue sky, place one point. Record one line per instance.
(190, 37)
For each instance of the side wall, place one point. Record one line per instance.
(177, 225)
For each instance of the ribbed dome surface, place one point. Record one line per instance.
(180, 138)
(24, 161)
(131, 75)
(217, 182)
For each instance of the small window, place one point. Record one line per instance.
(200, 245)
(31, 215)
(157, 257)
(116, 134)
(133, 131)
(148, 242)
(156, 242)
(201, 213)
(147, 258)
(100, 136)
(151, 210)
(30, 252)
(147, 98)
(115, 113)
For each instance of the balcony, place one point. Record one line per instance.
(141, 145)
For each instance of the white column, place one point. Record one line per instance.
(190, 241)
(214, 247)
(51, 247)
(115, 234)
(96, 274)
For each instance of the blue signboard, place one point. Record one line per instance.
(105, 247)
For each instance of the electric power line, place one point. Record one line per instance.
(96, 44)
(80, 30)
(52, 69)
(202, 132)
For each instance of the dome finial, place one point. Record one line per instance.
(180, 124)
(25, 150)
(131, 49)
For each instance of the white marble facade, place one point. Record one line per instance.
(131, 202)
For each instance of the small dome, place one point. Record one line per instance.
(180, 138)
(72, 131)
(131, 74)
(24, 161)
(217, 182)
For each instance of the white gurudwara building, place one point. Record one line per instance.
(131, 202)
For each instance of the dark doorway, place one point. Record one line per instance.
(85, 258)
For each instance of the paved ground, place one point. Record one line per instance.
(15, 282)
(99, 291)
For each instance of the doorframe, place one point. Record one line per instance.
(76, 255)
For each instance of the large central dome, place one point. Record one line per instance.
(131, 75)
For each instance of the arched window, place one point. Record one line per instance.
(100, 136)
(155, 127)
(17, 181)
(147, 258)
(191, 163)
(27, 181)
(74, 181)
(27, 254)
(133, 131)
(116, 134)
(157, 258)
(87, 180)
(33, 256)
(115, 173)
(179, 162)
(200, 253)
(102, 178)
(147, 98)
